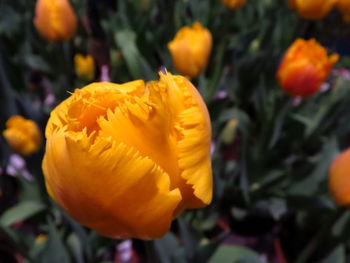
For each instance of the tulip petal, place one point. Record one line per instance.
(192, 123)
(108, 186)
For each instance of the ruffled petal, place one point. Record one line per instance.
(108, 186)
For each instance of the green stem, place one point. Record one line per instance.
(319, 237)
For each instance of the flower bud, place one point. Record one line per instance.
(312, 9)
(55, 19)
(84, 67)
(344, 7)
(304, 67)
(229, 132)
(126, 159)
(22, 135)
(190, 49)
(339, 179)
(233, 3)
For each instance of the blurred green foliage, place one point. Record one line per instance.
(271, 201)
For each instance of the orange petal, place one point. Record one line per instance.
(108, 186)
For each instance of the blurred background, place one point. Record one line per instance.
(271, 151)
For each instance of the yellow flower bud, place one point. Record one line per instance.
(55, 19)
(304, 67)
(190, 49)
(229, 132)
(22, 135)
(339, 179)
(312, 9)
(126, 159)
(344, 7)
(233, 3)
(84, 67)
(41, 238)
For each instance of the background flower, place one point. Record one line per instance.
(339, 179)
(344, 7)
(304, 67)
(84, 67)
(312, 9)
(22, 135)
(233, 3)
(55, 19)
(190, 49)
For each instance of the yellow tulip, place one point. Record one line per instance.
(344, 7)
(55, 19)
(339, 179)
(190, 49)
(84, 67)
(22, 135)
(233, 3)
(312, 9)
(126, 159)
(304, 67)
(229, 132)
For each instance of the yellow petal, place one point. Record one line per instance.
(109, 186)
(192, 123)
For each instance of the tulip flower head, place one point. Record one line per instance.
(344, 7)
(233, 3)
(304, 67)
(339, 179)
(190, 49)
(312, 9)
(55, 19)
(84, 67)
(126, 159)
(22, 135)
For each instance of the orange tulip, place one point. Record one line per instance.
(126, 159)
(22, 135)
(55, 19)
(312, 9)
(344, 7)
(339, 179)
(304, 68)
(190, 49)
(233, 3)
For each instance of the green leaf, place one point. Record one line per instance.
(55, 251)
(75, 248)
(137, 65)
(278, 207)
(22, 211)
(189, 237)
(169, 249)
(235, 254)
(81, 234)
(10, 21)
(278, 125)
(205, 251)
(319, 174)
(36, 62)
(217, 73)
(337, 255)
